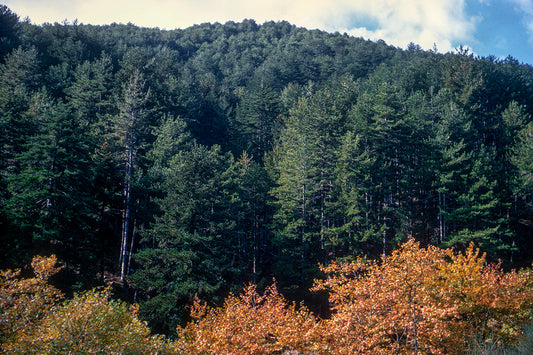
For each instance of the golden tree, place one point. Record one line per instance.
(423, 301)
(250, 324)
(24, 301)
(91, 323)
(32, 321)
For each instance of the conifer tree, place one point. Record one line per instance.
(257, 120)
(378, 120)
(254, 215)
(19, 107)
(132, 113)
(304, 177)
(8, 30)
(191, 247)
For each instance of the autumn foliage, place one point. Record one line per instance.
(25, 301)
(91, 323)
(33, 321)
(429, 301)
(250, 324)
(416, 300)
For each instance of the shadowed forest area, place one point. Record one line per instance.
(170, 164)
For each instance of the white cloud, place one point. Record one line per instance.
(398, 22)
(441, 22)
(525, 7)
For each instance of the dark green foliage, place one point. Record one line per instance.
(50, 195)
(523, 160)
(19, 108)
(303, 169)
(8, 31)
(190, 248)
(257, 121)
(385, 137)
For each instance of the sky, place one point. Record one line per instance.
(488, 27)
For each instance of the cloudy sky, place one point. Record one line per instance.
(488, 27)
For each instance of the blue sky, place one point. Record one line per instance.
(487, 27)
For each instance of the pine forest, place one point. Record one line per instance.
(247, 188)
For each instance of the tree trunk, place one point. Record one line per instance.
(441, 226)
(127, 202)
(131, 110)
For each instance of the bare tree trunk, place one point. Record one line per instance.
(131, 110)
(384, 237)
(127, 202)
(302, 237)
(415, 320)
(132, 243)
(441, 226)
(256, 241)
(442, 217)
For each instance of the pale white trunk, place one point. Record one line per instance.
(126, 217)
(442, 222)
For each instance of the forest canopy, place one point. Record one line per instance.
(195, 161)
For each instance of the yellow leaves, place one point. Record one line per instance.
(32, 321)
(425, 299)
(25, 301)
(91, 323)
(44, 267)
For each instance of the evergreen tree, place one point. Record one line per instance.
(191, 247)
(254, 216)
(257, 121)
(19, 78)
(471, 206)
(91, 100)
(354, 183)
(50, 195)
(378, 120)
(522, 160)
(90, 93)
(8, 30)
(304, 176)
(345, 147)
(20, 107)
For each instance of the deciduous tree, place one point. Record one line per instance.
(250, 323)
(423, 300)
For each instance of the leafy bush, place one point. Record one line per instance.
(33, 322)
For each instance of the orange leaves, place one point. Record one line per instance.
(490, 302)
(44, 267)
(416, 300)
(385, 307)
(497, 304)
(25, 301)
(423, 300)
(250, 324)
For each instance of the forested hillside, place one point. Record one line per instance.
(196, 161)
